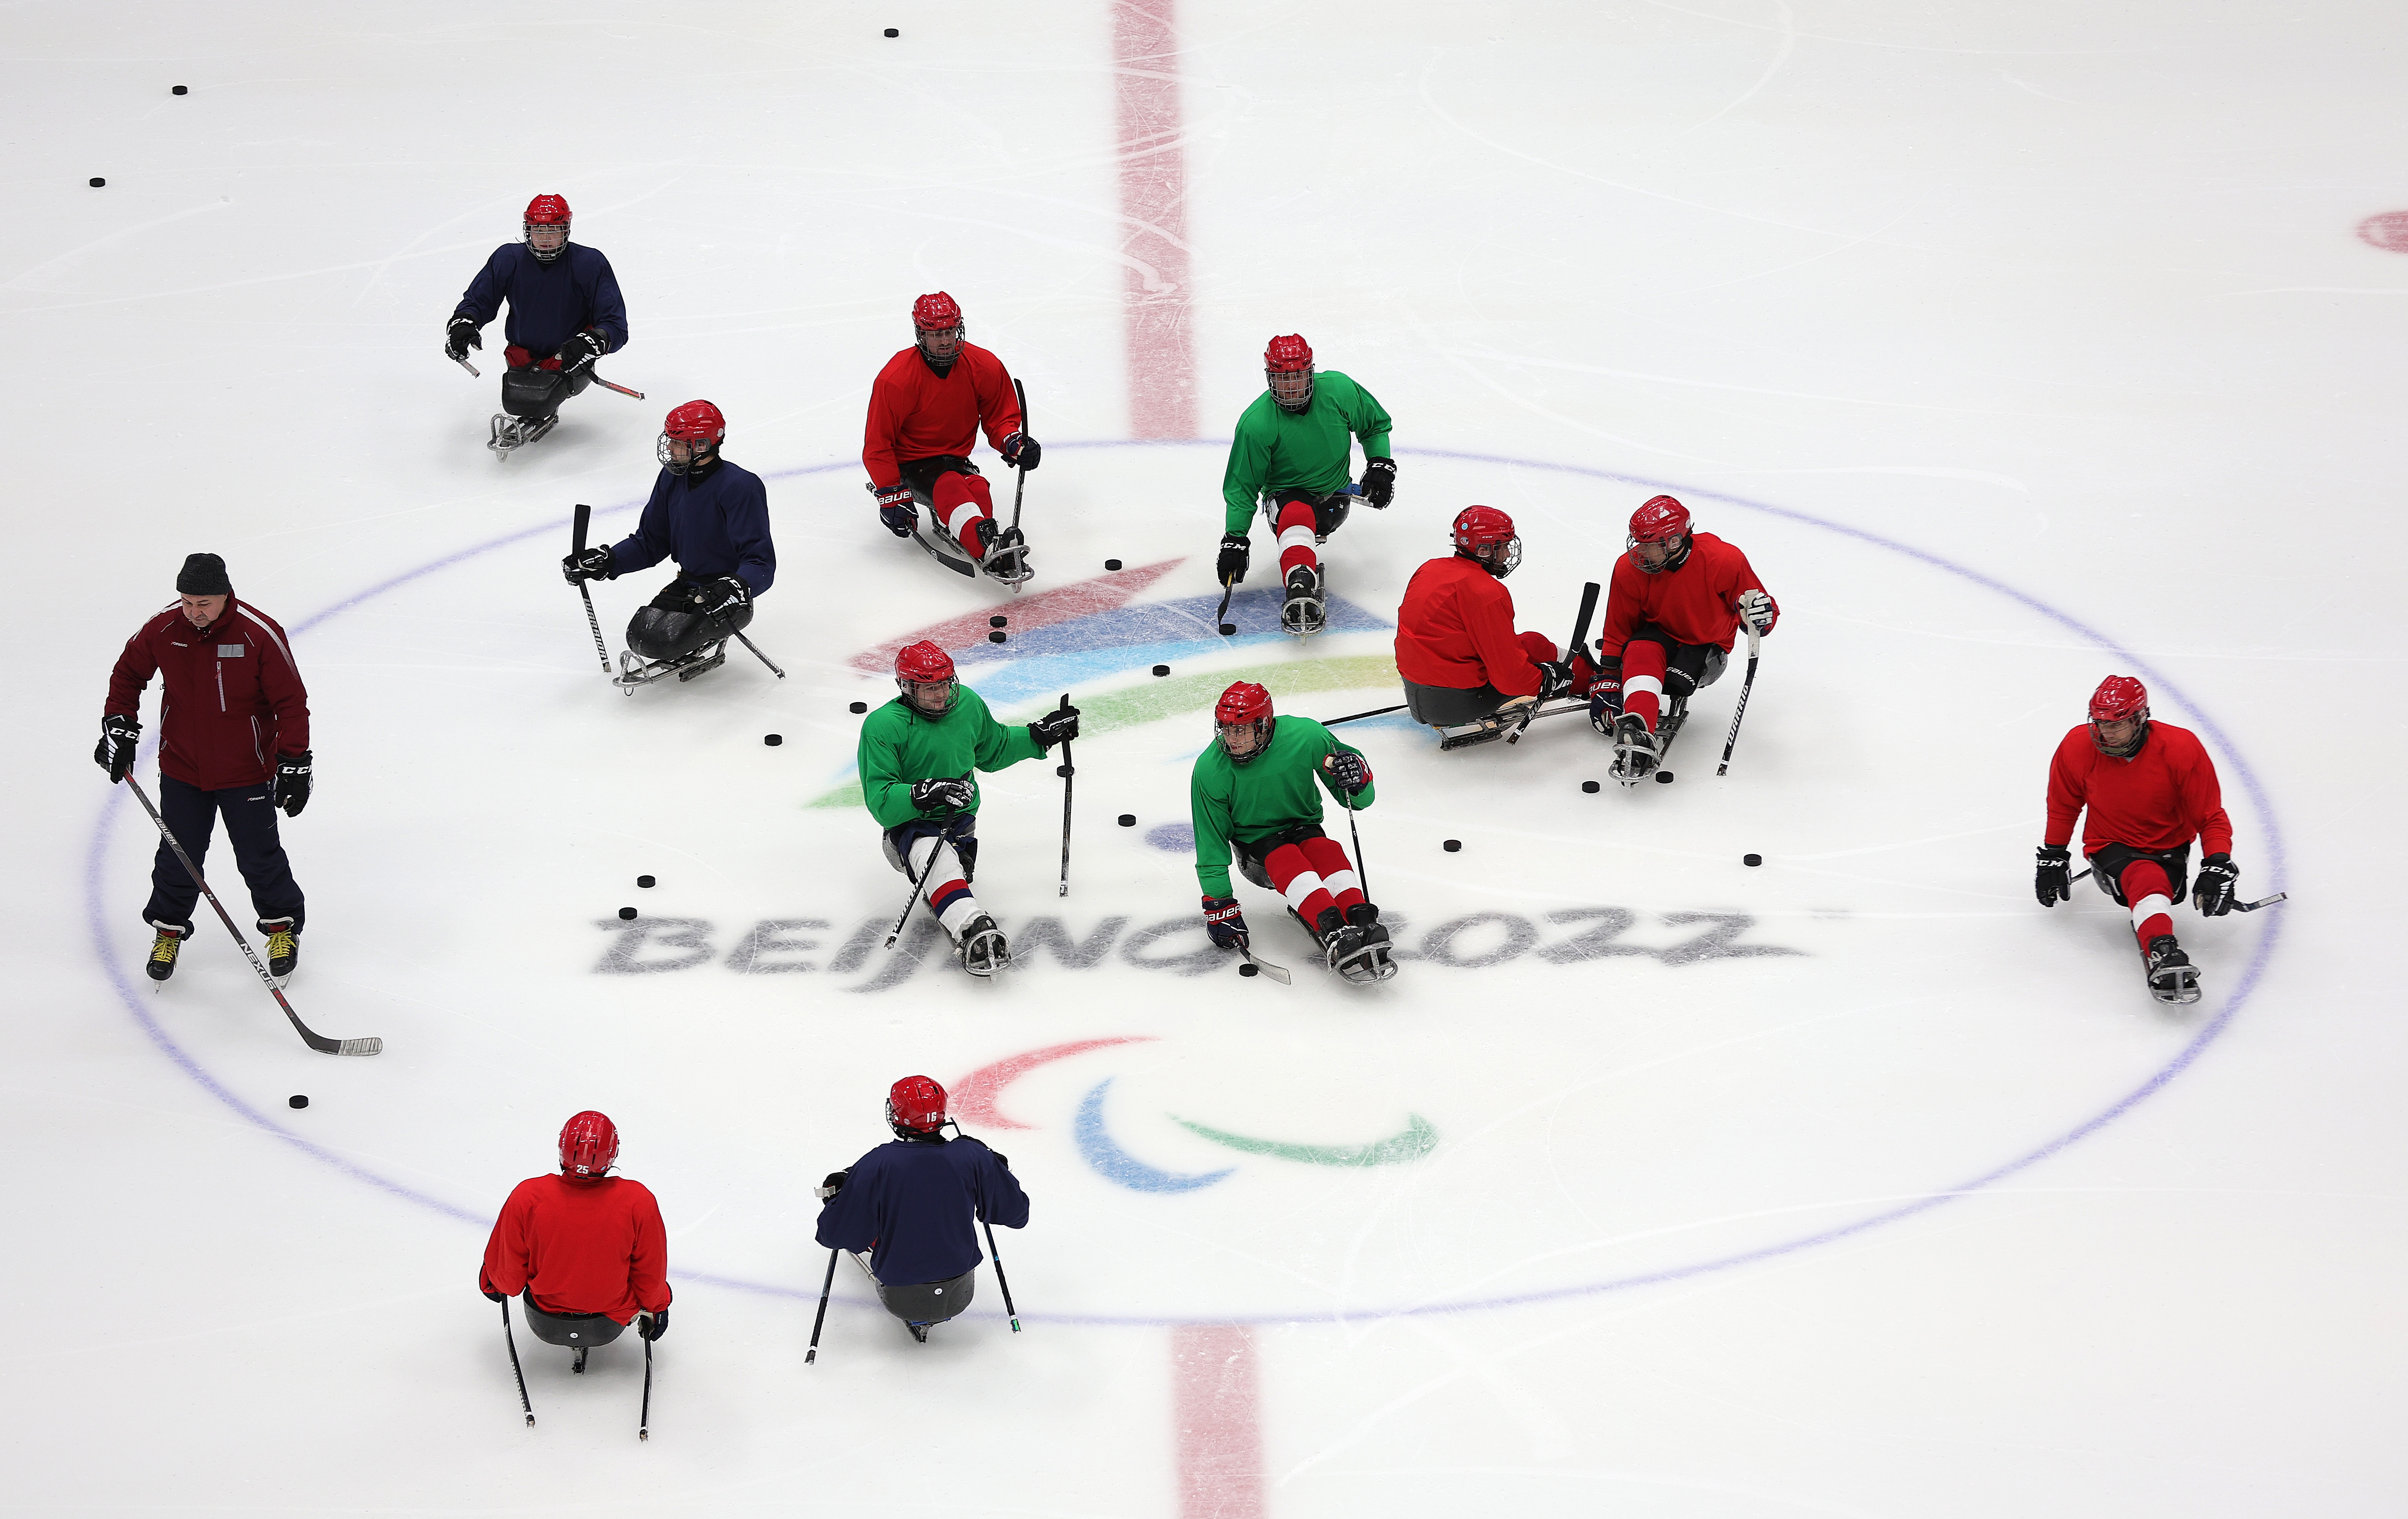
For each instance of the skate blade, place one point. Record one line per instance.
(2180, 993)
(954, 560)
(1469, 738)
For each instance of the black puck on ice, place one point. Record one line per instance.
(860, 706)
(891, 32)
(773, 740)
(999, 622)
(645, 882)
(996, 637)
(1112, 564)
(97, 184)
(1751, 859)
(178, 91)
(1452, 846)
(1663, 778)
(1589, 786)
(1247, 968)
(1228, 630)
(626, 914)
(1062, 770)
(1162, 669)
(1126, 820)
(297, 1099)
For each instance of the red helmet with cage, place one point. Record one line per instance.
(922, 669)
(1241, 720)
(915, 1107)
(1660, 524)
(1485, 534)
(589, 1142)
(1287, 365)
(937, 327)
(699, 426)
(2120, 698)
(550, 212)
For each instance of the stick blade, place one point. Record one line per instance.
(371, 1045)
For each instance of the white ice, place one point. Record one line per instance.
(2015, 345)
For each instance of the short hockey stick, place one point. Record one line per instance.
(996, 1257)
(463, 362)
(644, 1420)
(511, 1340)
(576, 547)
(315, 1041)
(1580, 638)
(1356, 717)
(811, 1355)
(1227, 629)
(2237, 907)
(1277, 973)
(944, 837)
(1755, 647)
(757, 654)
(621, 389)
(1020, 393)
(1069, 773)
(1362, 876)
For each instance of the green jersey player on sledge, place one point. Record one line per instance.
(917, 754)
(1256, 793)
(1290, 454)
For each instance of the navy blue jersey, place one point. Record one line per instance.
(719, 526)
(550, 303)
(915, 1200)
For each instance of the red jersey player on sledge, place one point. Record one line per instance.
(1676, 605)
(2149, 791)
(925, 409)
(1466, 672)
(584, 1248)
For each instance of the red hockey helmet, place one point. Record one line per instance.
(915, 1107)
(2123, 703)
(1659, 535)
(1485, 534)
(550, 214)
(1287, 365)
(589, 1142)
(924, 674)
(1241, 720)
(691, 437)
(937, 327)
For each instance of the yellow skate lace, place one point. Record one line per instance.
(279, 945)
(162, 949)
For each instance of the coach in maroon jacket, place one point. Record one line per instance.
(234, 725)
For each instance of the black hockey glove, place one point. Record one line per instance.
(1348, 769)
(1236, 549)
(834, 1185)
(120, 734)
(1554, 678)
(1224, 922)
(720, 595)
(653, 1326)
(1021, 452)
(461, 335)
(941, 795)
(592, 564)
(895, 508)
(577, 354)
(1057, 726)
(2212, 894)
(1379, 485)
(2054, 883)
(290, 789)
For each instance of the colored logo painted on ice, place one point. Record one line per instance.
(1097, 1149)
(1416, 1140)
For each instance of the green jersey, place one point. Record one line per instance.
(1268, 795)
(1276, 449)
(901, 744)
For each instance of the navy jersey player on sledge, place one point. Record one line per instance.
(565, 312)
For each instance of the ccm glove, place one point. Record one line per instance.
(1758, 610)
(834, 1185)
(2212, 893)
(1057, 726)
(592, 564)
(1225, 923)
(577, 354)
(2054, 883)
(1021, 452)
(290, 790)
(654, 1325)
(119, 732)
(1348, 769)
(1236, 549)
(461, 335)
(720, 595)
(945, 793)
(895, 508)
(1379, 485)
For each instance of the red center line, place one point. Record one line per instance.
(1154, 214)
(1218, 1396)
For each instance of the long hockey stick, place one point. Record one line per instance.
(577, 547)
(644, 1420)
(511, 1340)
(1755, 647)
(811, 1355)
(944, 837)
(1069, 773)
(996, 1257)
(1571, 652)
(309, 1037)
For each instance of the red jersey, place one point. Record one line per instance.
(1698, 603)
(2162, 798)
(584, 1246)
(231, 697)
(916, 413)
(1455, 629)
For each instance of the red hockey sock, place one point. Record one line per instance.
(1643, 681)
(1336, 872)
(2151, 893)
(1296, 538)
(1291, 870)
(961, 502)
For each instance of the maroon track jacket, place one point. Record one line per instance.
(233, 698)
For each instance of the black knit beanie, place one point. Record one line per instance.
(204, 575)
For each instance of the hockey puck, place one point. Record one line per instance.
(1663, 778)
(1126, 820)
(626, 914)
(1112, 564)
(1162, 669)
(297, 1099)
(999, 622)
(1751, 859)
(773, 740)
(1062, 770)
(1452, 846)
(1228, 630)
(1589, 786)
(1246, 969)
(178, 91)
(97, 184)
(645, 882)
(891, 32)
(996, 637)
(860, 706)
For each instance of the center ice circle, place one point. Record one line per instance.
(1477, 938)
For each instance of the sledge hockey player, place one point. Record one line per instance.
(904, 1204)
(2149, 789)
(711, 516)
(916, 757)
(1466, 672)
(584, 1251)
(565, 312)
(1291, 454)
(1675, 606)
(1252, 795)
(926, 409)
(234, 731)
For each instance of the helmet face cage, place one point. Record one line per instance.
(1243, 742)
(2130, 744)
(915, 694)
(2125, 702)
(939, 345)
(699, 452)
(545, 240)
(1292, 389)
(1676, 551)
(1500, 557)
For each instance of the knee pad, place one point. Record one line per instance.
(657, 633)
(1330, 515)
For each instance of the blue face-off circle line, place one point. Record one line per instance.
(2159, 684)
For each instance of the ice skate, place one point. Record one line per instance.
(1007, 555)
(1371, 959)
(1303, 614)
(984, 951)
(284, 949)
(512, 433)
(2171, 976)
(164, 951)
(1635, 750)
(636, 670)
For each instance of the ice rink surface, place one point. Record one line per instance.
(2015, 345)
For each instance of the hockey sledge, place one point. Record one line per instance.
(1006, 562)
(1507, 722)
(511, 434)
(635, 670)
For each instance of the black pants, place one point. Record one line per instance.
(669, 626)
(2108, 865)
(962, 827)
(573, 1331)
(1329, 509)
(930, 1302)
(1447, 706)
(921, 474)
(258, 854)
(1248, 855)
(1689, 667)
